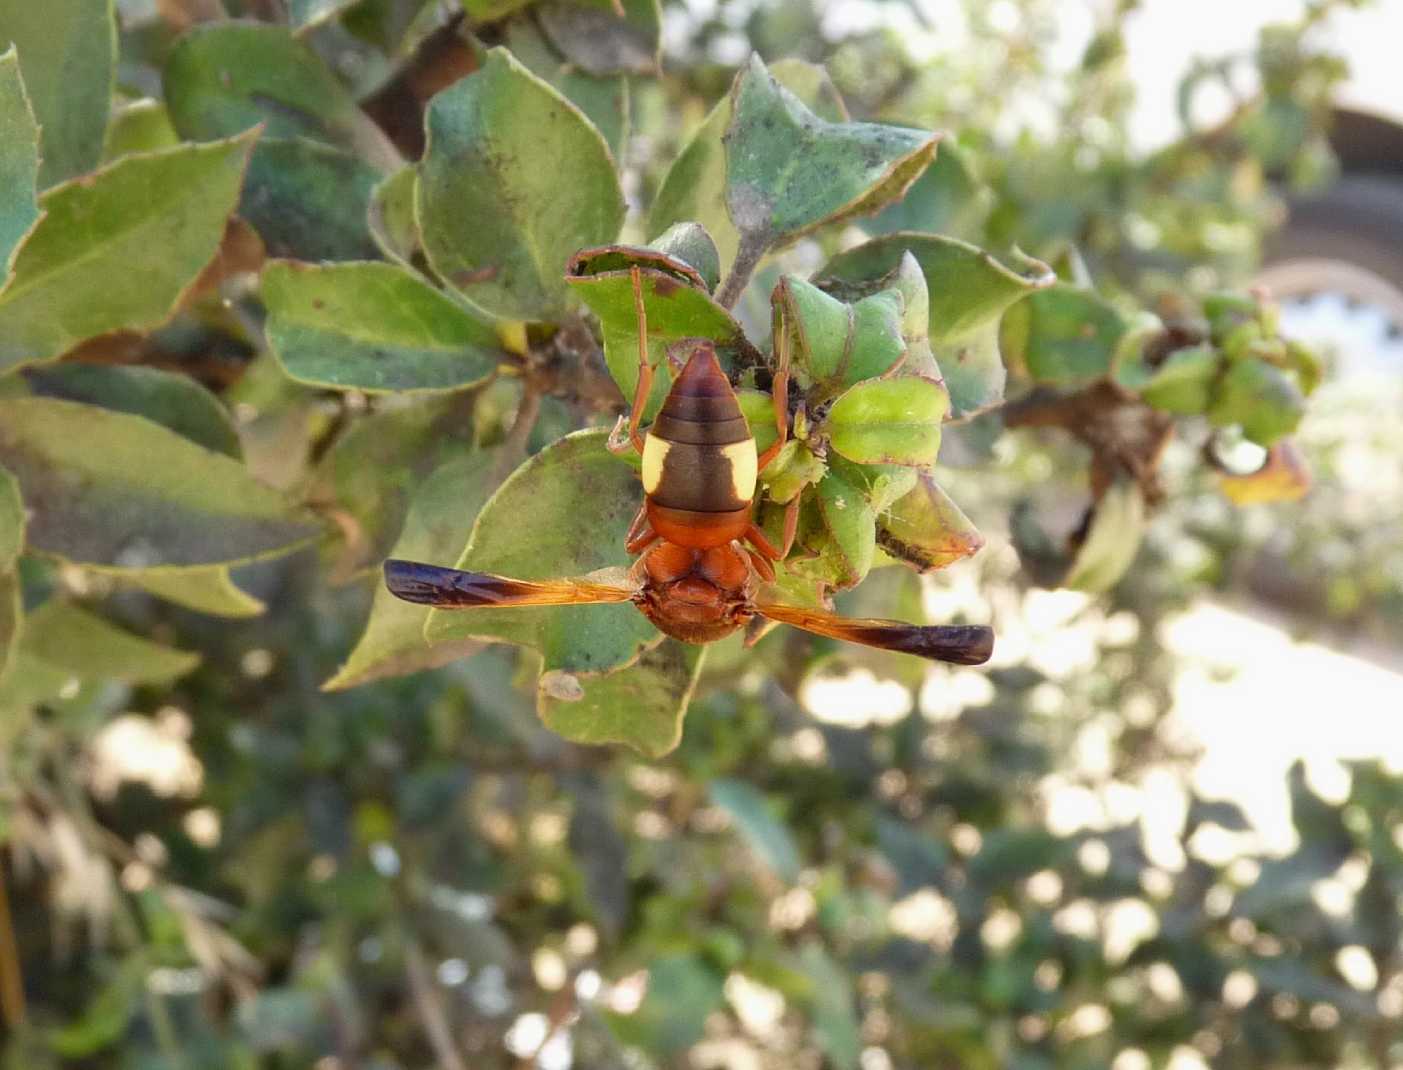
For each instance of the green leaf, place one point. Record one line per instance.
(70, 639)
(794, 468)
(141, 125)
(834, 1014)
(390, 218)
(1063, 336)
(692, 245)
(12, 521)
(641, 705)
(605, 99)
(789, 172)
(834, 344)
(844, 538)
(73, 277)
(819, 327)
(107, 1014)
(920, 859)
(210, 590)
(889, 421)
(393, 642)
(968, 290)
(926, 529)
(497, 221)
(622, 258)
(19, 164)
(94, 497)
(694, 189)
(675, 310)
(683, 990)
(309, 201)
(68, 55)
(1112, 539)
(1184, 382)
(173, 401)
(1260, 397)
(590, 34)
(880, 484)
(370, 475)
(222, 78)
(946, 199)
(758, 408)
(763, 833)
(563, 513)
(375, 327)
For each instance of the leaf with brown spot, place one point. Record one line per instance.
(926, 529)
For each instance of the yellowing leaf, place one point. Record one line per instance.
(1112, 539)
(926, 529)
(1285, 477)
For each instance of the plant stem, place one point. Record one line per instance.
(752, 248)
(11, 981)
(430, 1008)
(512, 451)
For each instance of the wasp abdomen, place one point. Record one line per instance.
(699, 456)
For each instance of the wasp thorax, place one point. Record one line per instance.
(696, 595)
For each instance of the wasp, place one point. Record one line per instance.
(703, 562)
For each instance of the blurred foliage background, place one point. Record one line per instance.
(851, 860)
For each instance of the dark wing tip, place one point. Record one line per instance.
(415, 582)
(974, 644)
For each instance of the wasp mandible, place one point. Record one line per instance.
(704, 561)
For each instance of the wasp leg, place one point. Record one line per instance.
(779, 389)
(645, 370)
(640, 533)
(791, 526)
(757, 539)
(619, 442)
(762, 565)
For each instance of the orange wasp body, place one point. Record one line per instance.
(704, 559)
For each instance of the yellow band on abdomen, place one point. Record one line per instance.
(700, 477)
(744, 467)
(654, 453)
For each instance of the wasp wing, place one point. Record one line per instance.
(963, 644)
(451, 588)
